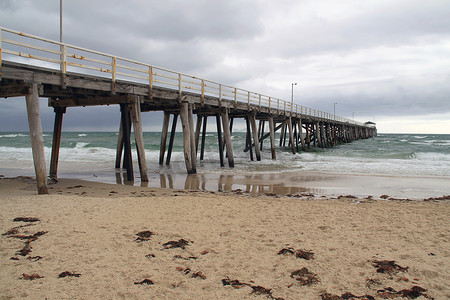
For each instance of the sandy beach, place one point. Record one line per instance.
(90, 240)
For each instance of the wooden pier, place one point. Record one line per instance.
(71, 76)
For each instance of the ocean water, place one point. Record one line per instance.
(91, 155)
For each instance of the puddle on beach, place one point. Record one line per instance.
(319, 184)
(279, 184)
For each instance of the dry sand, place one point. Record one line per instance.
(90, 229)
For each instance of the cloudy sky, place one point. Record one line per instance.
(386, 61)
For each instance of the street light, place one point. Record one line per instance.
(60, 21)
(292, 97)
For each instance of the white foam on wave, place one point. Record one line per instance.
(12, 135)
(80, 145)
(82, 134)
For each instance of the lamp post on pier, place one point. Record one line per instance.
(292, 95)
(60, 21)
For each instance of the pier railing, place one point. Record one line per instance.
(33, 50)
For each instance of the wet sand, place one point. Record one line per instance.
(216, 245)
(280, 183)
(286, 183)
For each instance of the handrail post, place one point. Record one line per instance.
(220, 94)
(63, 66)
(150, 82)
(259, 102)
(203, 92)
(113, 85)
(269, 105)
(179, 86)
(248, 100)
(235, 96)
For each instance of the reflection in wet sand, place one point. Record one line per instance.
(257, 184)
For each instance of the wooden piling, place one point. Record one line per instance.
(324, 135)
(192, 138)
(272, 138)
(59, 112)
(202, 150)
(172, 138)
(37, 140)
(291, 135)
(248, 138)
(184, 111)
(300, 133)
(283, 129)
(219, 139)
(261, 139)
(165, 129)
(126, 125)
(308, 135)
(198, 129)
(255, 137)
(119, 145)
(317, 137)
(136, 118)
(227, 137)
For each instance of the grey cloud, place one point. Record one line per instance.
(372, 57)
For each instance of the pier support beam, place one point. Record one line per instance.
(192, 138)
(202, 148)
(136, 118)
(272, 138)
(126, 126)
(308, 135)
(119, 145)
(198, 129)
(248, 138)
(255, 137)
(219, 139)
(165, 129)
(319, 143)
(37, 140)
(300, 133)
(227, 137)
(172, 138)
(282, 133)
(291, 135)
(184, 114)
(59, 112)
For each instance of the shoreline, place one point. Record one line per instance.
(280, 183)
(92, 229)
